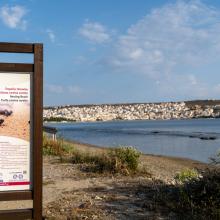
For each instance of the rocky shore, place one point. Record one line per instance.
(142, 111)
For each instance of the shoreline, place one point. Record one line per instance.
(202, 142)
(160, 166)
(122, 120)
(93, 147)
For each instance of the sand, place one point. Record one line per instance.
(161, 167)
(17, 124)
(69, 190)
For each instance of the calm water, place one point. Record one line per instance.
(182, 138)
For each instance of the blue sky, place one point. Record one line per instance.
(117, 51)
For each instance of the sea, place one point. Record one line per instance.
(197, 139)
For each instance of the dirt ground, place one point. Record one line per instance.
(70, 192)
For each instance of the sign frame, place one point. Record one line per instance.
(36, 131)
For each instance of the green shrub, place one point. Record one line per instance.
(201, 197)
(118, 160)
(198, 198)
(127, 156)
(186, 175)
(79, 157)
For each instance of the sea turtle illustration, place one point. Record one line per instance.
(6, 109)
(5, 112)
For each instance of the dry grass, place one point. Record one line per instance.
(115, 160)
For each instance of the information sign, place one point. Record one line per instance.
(15, 147)
(21, 121)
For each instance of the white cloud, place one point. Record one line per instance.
(168, 44)
(13, 17)
(95, 32)
(51, 35)
(192, 80)
(79, 59)
(177, 34)
(76, 90)
(58, 89)
(217, 88)
(183, 87)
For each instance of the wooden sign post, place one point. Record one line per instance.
(21, 120)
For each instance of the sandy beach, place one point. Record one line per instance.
(161, 167)
(102, 196)
(17, 124)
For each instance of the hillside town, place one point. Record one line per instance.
(144, 111)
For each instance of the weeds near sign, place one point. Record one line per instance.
(55, 148)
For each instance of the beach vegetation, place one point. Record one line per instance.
(186, 175)
(56, 147)
(194, 195)
(116, 160)
(200, 197)
(129, 156)
(195, 198)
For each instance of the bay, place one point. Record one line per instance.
(197, 139)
